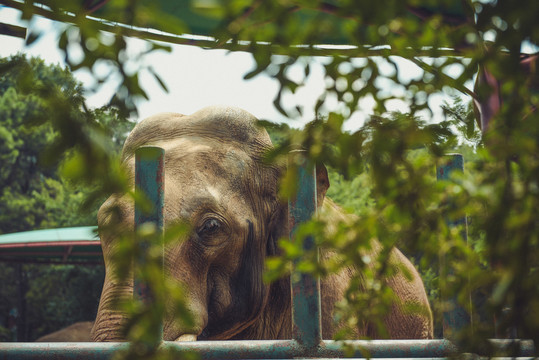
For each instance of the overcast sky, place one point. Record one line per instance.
(197, 78)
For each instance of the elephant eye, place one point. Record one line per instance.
(210, 226)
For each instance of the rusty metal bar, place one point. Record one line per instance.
(306, 305)
(267, 349)
(149, 205)
(456, 318)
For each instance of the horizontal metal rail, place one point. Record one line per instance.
(261, 349)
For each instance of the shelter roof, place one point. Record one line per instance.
(63, 245)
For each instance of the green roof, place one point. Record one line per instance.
(64, 245)
(205, 19)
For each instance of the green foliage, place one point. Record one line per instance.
(353, 195)
(499, 194)
(410, 207)
(33, 195)
(30, 193)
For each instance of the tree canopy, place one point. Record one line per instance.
(32, 195)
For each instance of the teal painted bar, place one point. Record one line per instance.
(456, 318)
(306, 305)
(270, 349)
(149, 181)
(452, 163)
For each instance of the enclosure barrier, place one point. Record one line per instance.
(149, 190)
(256, 349)
(306, 303)
(307, 340)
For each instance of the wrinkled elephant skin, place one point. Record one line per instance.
(215, 180)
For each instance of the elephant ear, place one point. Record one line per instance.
(252, 294)
(322, 183)
(278, 224)
(277, 229)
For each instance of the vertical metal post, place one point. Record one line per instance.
(306, 304)
(456, 318)
(21, 325)
(149, 180)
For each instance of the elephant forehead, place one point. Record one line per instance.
(194, 154)
(208, 158)
(207, 175)
(194, 190)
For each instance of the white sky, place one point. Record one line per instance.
(196, 78)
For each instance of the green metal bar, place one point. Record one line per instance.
(456, 318)
(306, 305)
(149, 184)
(269, 349)
(452, 163)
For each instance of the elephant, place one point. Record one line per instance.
(216, 180)
(77, 332)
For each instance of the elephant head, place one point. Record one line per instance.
(215, 181)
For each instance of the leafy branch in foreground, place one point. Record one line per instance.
(500, 197)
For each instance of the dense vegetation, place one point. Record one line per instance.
(356, 195)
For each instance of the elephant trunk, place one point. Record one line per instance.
(176, 330)
(114, 223)
(110, 322)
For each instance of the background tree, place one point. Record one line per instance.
(33, 196)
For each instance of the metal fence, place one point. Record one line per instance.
(306, 314)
